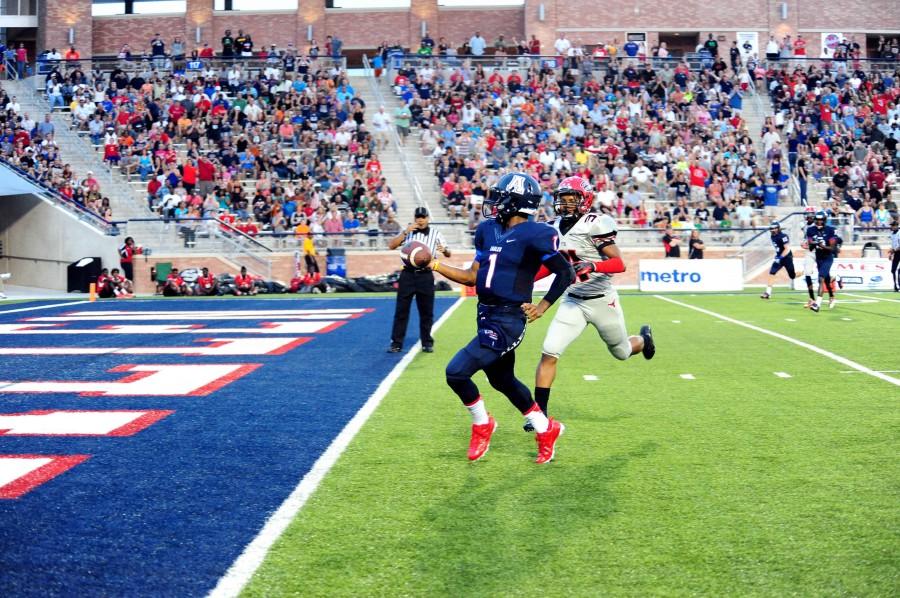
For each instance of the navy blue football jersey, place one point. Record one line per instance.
(821, 236)
(509, 259)
(779, 242)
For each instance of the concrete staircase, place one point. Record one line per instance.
(78, 151)
(420, 166)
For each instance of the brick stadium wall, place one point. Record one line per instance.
(111, 32)
(366, 29)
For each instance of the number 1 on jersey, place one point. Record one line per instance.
(492, 259)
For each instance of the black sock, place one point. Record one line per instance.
(542, 397)
(809, 288)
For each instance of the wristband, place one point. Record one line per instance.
(434, 265)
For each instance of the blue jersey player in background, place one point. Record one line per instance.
(822, 239)
(509, 251)
(784, 257)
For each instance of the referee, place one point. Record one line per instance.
(895, 255)
(416, 282)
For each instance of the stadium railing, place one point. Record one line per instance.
(411, 177)
(44, 191)
(203, 235)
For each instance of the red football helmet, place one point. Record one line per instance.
(582, 191)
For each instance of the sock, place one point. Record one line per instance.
(478, 411)
(819, 300)
(542, 397)
(537, 419)
(768, 290)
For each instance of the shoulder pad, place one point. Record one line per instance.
(603, 225)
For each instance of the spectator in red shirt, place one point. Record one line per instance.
(243, 283)
(206, 175)
(175, 285)
(698, 176)
(126, 256)
(206, 284)
(189, 175)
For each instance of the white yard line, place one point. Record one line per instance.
(21, 309)
(590, 378)
(688, 377)
(253, 555)
(799, 343)
(872, 298)
(782, 374)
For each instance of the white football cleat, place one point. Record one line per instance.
(831, 303)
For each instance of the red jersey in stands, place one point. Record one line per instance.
(248, 228)
(174, 279)
(373, 166)
(698, 176)
(206, 170)
(102, 282)
(189, 174)
(799, 47)
(243, 282)
(228, 219)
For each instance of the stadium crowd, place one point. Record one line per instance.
(663, 142)
(276, 145)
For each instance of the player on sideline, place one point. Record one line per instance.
(509, 251)
(588, 240)
(809, 260)
(784, 258)
(822, 239)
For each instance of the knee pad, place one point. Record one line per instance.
(622, 351)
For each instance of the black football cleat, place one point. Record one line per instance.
(428, 349)
(649, 346)
(814, 307)
(765, 296)
(394, 348)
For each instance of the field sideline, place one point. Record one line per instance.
(734, 463)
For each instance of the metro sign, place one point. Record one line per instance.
(193, 380)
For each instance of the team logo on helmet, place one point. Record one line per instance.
(573, 197)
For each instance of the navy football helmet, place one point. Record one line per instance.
(515, 193)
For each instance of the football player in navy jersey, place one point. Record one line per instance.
(822, 239)
(509, 251)
(784, 257)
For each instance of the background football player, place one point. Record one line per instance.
(784, 257)
(810, 270)
(588, 240)
(823, 240)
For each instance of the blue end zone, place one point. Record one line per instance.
(167, 510)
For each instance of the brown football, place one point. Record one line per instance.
(415, 254)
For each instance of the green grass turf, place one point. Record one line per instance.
(735, 483)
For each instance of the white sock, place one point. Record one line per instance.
(768, 290)
(479, 412)
(537, 419)
(819, 300)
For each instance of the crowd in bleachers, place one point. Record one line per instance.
(280, 146)
(841, 123)
(663, 142)
(29, 145)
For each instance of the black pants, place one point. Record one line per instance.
(895, 269)
(127, 270)
(418, 284)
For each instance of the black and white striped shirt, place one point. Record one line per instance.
(428, 235)
(895, 241)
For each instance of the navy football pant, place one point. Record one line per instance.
(500, 371)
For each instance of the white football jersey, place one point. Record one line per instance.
(576, 246)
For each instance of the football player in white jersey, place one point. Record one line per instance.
(588, 240)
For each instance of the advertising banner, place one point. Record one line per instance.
(691, 275)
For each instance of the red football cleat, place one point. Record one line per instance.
(481, 439)
(546, 441)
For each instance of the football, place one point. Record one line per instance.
(415, 254)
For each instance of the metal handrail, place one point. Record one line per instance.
(395, 139)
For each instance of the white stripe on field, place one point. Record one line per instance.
(799, 343)
(13, 311)
(688, 376)
(873, 298)
(590, 377)
(252, 557)
(782, 374)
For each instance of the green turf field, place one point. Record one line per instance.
(737, 482)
